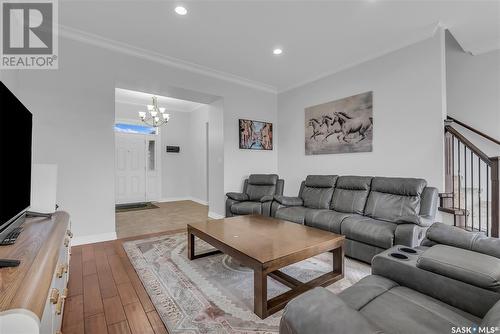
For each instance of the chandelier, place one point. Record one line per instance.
(154, 116)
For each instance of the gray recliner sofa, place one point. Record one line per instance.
(256, 197)
(449, 285)
(374, 213)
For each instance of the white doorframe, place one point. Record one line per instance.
(149, 195)
(207, 157)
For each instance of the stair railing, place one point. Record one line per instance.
(472, 183)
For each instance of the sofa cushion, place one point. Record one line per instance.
(263, 179)
(351, 193)
(294, 214)
(317, 198)
(365, 290)
(392, 198)
(320, 311)
(492, 318)
(399, 185)
(327, 220)
(464, 265)
(321, 181)
(256, 192)
(369, 231)
(246, 208)
(416, 313)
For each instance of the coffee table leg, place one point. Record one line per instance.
(338, 260)
(260, 293)
(190, 245)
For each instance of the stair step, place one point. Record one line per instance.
(454, 211)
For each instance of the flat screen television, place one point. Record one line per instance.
(15, 160)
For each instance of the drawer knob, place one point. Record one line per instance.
(54, 296)
(59, 305)
(61, 269)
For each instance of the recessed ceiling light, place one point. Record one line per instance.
(277, 51)
(181, 10)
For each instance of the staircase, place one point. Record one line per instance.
(472, 182)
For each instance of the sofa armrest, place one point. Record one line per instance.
(266, 198)
(289, 201)
(238, 196)
(410, 235)
(320, 311)
(469, 298)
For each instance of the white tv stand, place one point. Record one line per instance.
(32, 295)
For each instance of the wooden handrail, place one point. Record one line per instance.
(469, 145)
(482, 134)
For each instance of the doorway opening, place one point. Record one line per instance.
(162, 174)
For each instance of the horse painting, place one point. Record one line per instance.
(316, 128)
(341, 126)
(350, 125)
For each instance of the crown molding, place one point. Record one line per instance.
(113, 45)
(481, 47)
(422, 35)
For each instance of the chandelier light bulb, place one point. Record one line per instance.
(154, 116)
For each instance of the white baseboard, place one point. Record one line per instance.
(215, 215)
(187, 198)
(199, 201)
(173, 199)
(93, 238)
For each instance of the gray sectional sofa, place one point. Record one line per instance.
(374, 213)
(451, 284)
(256, 197)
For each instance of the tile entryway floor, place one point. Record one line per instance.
(169, 216)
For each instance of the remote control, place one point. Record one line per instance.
(9, 263)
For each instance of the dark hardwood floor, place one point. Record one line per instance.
(105, 294)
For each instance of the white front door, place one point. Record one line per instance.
(130, 167)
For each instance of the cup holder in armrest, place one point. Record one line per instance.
(399, 256)
(408, 250)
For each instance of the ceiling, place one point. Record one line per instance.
(137, 101)
(236, 38)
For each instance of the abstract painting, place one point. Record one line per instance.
(256, 135)
(340, 126)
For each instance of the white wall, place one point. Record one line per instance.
(198, 120)
(220, 148)
(176, 167)
(408, 117)
(473, 92)
(73, 111)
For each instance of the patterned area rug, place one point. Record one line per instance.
(215, 294)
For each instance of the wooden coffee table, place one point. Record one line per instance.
(266, 245)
